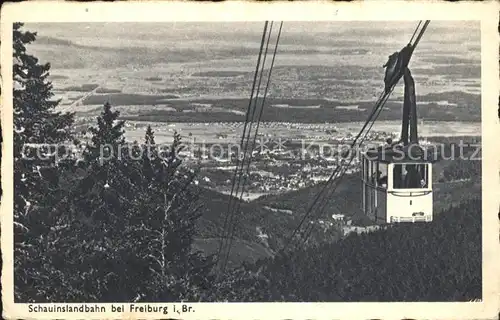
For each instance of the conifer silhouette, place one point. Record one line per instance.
(40, 132)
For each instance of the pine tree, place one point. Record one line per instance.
(35, 118)
(104, 157)
(36, 125)
(149, 155)
(149, 138)
(102, 202)
(166, 216)
(106, 178)
(144, 219)
(108, 134)
(120, 230)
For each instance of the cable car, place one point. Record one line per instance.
(397, 177)
(397, 184)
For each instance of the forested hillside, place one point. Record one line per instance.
(440, 261)
(348, 200)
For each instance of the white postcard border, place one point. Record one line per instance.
(486, 12)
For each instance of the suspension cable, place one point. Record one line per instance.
(241, 143)
(332, 176)
(245, 153)
(424, 27)
(332, 191)
(237, 204)
(268, 81)
(415, 32)
(256, 130)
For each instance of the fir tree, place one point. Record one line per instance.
(36, 124)
(35, 118)
(106, 157)
(108, 134)
(166, 215)
(144, 219)
(117, 229)
(103, 201)
(103, 181)
(150, 154)
(149, 137)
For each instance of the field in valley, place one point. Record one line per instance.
(207, 74)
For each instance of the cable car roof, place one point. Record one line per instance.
(399, 154)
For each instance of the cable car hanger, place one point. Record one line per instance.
(400, 61)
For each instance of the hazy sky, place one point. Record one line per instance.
(158, 34)
(70, 45)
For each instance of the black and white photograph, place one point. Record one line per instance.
(245, 161)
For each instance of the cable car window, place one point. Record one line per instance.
(382, 175)
(373, 172)
(370, 172)
(423, 175)
(365, 169)
(410, 176)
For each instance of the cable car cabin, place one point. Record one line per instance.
(397, 185)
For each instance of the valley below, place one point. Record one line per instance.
(323, 88)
